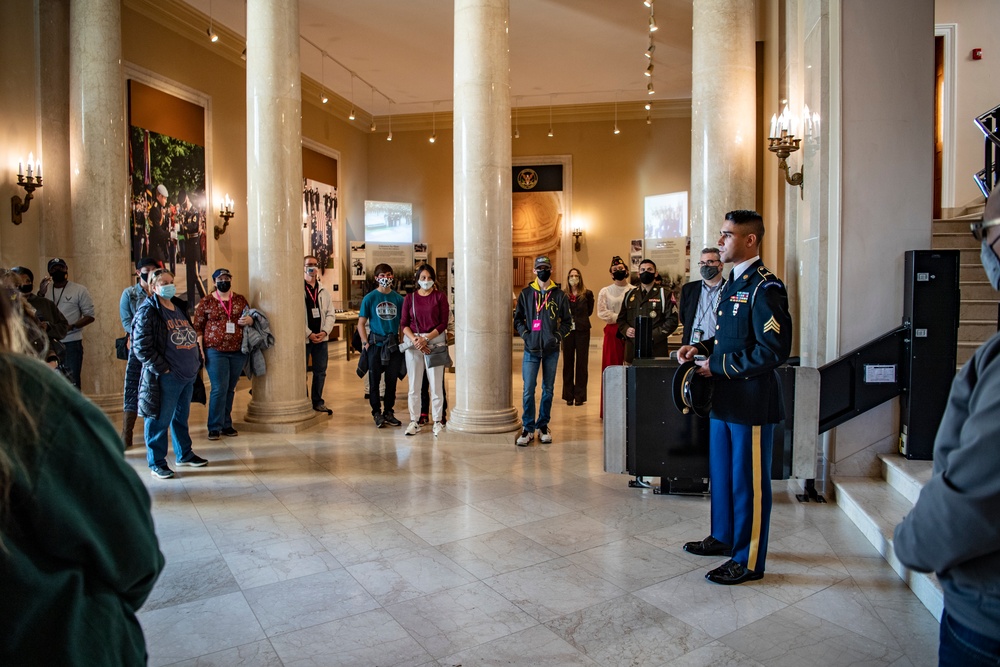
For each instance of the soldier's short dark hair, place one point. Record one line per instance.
(646, 260)
(749, 222)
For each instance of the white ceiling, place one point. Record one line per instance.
(562, 52)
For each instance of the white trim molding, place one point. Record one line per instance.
(948, 98)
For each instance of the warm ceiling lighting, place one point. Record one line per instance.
(648, 3)
(617, 131)
(433, 127)
(351, 117)
(649, 88)
(649, 70)
(649, 51)
(652, 21)
(322, 77)
(550, 118)
(212, 36)
(648, 106)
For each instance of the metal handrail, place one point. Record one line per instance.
(989, 124)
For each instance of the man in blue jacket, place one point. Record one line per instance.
(953, 529)
(753, 336)
(542, 319)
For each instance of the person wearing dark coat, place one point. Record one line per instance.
(576, 344)
(128, 304)
(699, 302)
(166, 343)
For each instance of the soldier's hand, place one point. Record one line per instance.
(630, 332)
(686, 353)
(703, 368)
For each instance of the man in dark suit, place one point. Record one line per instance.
(700, 301)
(753, 336)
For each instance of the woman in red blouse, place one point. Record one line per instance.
(219, 320)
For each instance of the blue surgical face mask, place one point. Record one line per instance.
(425, 284)
(991, 263)
(168, 291)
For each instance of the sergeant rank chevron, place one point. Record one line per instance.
(772, 325)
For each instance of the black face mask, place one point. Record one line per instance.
(544, 275)
(144, 278)
(58, 276)
(709, 272)
(26, 289)
(223, 286)
(647, 278)
(619, 275)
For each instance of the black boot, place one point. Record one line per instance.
(128, 426)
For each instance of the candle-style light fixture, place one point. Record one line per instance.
(782, 142)
(226, 212)
(577, 233)
(30, 183)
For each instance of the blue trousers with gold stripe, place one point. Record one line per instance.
(740, 469)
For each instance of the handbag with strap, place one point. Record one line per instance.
(438, 356)
(121, 348)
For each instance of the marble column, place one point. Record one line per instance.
(482, 187)
(98, 161)
(53, 116)
(723, 117)
(274, 212)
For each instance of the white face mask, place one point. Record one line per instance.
(425, 284)
(574, 281)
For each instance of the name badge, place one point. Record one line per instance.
(696, 335)
(536, 325)
(315, 313)
(230, 328)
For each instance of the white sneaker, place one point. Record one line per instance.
(525, 438)
(544, 435)
(438, 428)
(412, 429)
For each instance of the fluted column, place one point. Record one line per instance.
(54, 208)
(274, 209)
(98, 186)
(723, 109)
(483, 268)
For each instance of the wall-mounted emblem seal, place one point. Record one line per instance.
(527, 178)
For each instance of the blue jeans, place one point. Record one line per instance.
(319, 355)
(175, 406)
(74, 361)
(224, 370)
(529, 373)
(962, 647)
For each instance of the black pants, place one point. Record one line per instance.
(576, 354)
(376, 369)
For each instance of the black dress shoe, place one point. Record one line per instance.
(390, 418)
(731, 573)
(709, 547)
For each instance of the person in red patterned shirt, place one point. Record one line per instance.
(219, 320)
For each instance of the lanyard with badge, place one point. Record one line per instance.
(313, 293)
(540, 304)
(711, 304)
(227, 306)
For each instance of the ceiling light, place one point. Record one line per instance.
(324, 97)
(243, 56)
(649, 88)
(433, 126)
(652, 21)
(322, 77)
(617, 131)
(649, 70)
(649, 50)
(351, 117)
(648, 106)
(389, 138)
(212, 36)
(550, 118)
(648, 3)
(517, 131)
(372, 126)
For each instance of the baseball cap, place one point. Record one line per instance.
(542, 260)
(144, 262)
(161, 189)
(56, 261)
(221, 272)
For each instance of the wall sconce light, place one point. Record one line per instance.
(29, 183)
(226, 212)
(577, 233)
(782, 142)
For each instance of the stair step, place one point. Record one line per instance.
(978, 309)
(958, 226)
(876, 509)
(970, 255)
(954, 240)
(971, 271)
(977, 289)
(965, 351)
(978, 331)
(905, 476)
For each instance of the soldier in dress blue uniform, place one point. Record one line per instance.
(753, 337)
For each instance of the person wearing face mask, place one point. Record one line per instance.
(609, 304)
(320, 320)
(132, 297)
(700, 301)
(542, 319)
(652, 302)
(381, 310)
(576, 344)
(219, 320)
(952, 528)
(166, 344)
(425, 324)
(76, 304)
(50, 318)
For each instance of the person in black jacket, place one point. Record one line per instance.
(650, 301)
(164, 340)
(753, 337)
(576, 345)
(542, 319)
(700, 301)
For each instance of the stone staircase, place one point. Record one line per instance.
(979, 311)
(877, 505)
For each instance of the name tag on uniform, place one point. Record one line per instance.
(740, 297)
(230, 328)
(536, 325)
(315, 313)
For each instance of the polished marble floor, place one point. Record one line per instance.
(348, 545)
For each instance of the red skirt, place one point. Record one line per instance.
(613, 354)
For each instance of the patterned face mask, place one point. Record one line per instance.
(384, 281)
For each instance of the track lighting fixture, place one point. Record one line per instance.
(389, 137)
(649, 50)
(433, 126)
(648, 3)
(212, 35)
(649, 88)
(322, 77)
(652, 20)
(649, 69)
(517, 131)
(372, 126)
(351, 117)
(648, 106)
(617, 131)
(550, 118)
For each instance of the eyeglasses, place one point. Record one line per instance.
(711, 262)
(979, 228)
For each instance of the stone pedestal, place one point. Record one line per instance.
(98, 185)
(274, 210)
(483, 265)
(723, 114)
